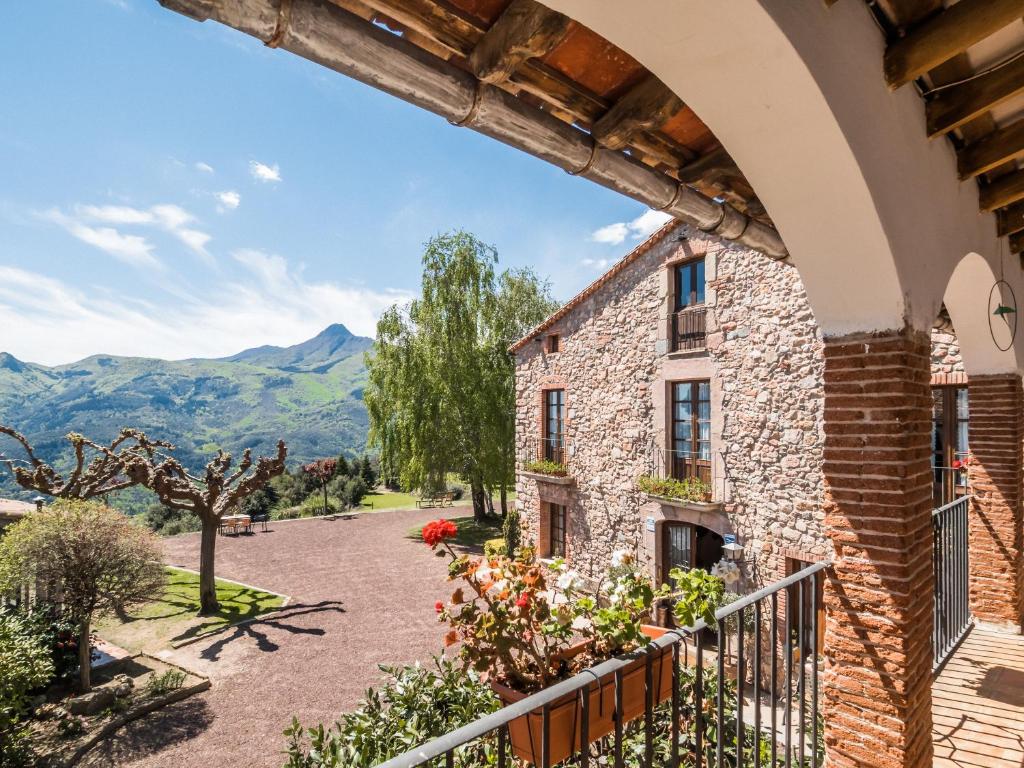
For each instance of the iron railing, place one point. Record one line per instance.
(689, 329)
(553, 449)
(665, 462)
(952, 614)
(766, 713)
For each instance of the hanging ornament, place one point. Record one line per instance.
(1002, 304)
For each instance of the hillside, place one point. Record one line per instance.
(309, 394)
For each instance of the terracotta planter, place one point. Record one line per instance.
(566, 714)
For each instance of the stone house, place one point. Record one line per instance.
(691, 357)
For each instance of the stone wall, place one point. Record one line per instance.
(947, 363)
(764, 361)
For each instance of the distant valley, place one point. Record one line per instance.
(310, 394)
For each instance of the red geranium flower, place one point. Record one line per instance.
(523, 601)
(438, 606)
(438, 530)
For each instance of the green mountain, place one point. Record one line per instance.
(309, 394)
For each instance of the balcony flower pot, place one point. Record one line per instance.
(566, 714)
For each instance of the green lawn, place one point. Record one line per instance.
(471, 533)
(172, 618)
(390, 500)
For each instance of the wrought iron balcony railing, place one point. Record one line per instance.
(550, 452)
(762, 710)
(680, 465)
(689, 329)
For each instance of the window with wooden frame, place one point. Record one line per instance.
(689, 323)
(554, 343)
(554, 425)
(950, 419)
(806, 640)
(689, 452)
(556, 530)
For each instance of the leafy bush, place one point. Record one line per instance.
(167, 681)
(510, 531)
(170, 522)
(314, 505)
(494, 548)
(25, 665)
(59, 634)
(261, 502)
(287, 513)
(690, 489)
(546, 467)
(414, 705)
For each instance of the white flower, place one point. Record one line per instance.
(727, 571)
(621, 557)
(483, 572)
(617, 594)
(498, 586)
(567, 581)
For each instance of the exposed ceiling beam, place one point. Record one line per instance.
(333, 37)
(1017, 242)
(946, 34)
(1002, 191)
(1010, 219)
(525, 30)
(646, 106)
(952, 107)
(714, 162)
(992, 151)
(906, 13)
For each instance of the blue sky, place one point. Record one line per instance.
(176, 189)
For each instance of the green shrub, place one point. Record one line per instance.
(170, 522)
(25, 665)
(511, 531)
(314, 506)
(690, 489)
(287, 513)
(494, 548)
(546, 467)
(414, 705)
(167, 681)
(457, 490)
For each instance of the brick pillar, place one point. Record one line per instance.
(877, 683)
(996, 432)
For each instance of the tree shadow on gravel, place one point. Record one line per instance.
(164, 728)
(277, 620)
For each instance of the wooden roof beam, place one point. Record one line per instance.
(1017, 242)
(999, 147)
(1010, 219)
(1002, 191)
(645, 107)
(953, 107)
(331, 36)
(946, 34)
(525, 30)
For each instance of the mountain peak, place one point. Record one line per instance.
(11, 363)
(333, 344)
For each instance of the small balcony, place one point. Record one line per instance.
(688, 329)
(546, 460)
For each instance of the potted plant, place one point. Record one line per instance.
(691, 489)
(524, 626)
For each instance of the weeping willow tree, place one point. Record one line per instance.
(441, 391)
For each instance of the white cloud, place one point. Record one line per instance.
(136, 249)
(131, 249)
(204, 167)
(643, 226)
(262, 172)
(599, 264)
(267, 302)
(613, 234)
(229, 200)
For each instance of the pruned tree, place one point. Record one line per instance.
(219, 491)
(101, 560)
(322, 470)
(97, 469)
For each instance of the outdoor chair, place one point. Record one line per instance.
(260, 520)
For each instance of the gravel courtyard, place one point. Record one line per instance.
(361, 594)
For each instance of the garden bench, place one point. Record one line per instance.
(436, 500)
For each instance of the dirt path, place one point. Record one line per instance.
(362, 594)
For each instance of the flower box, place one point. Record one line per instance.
(566, 714)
